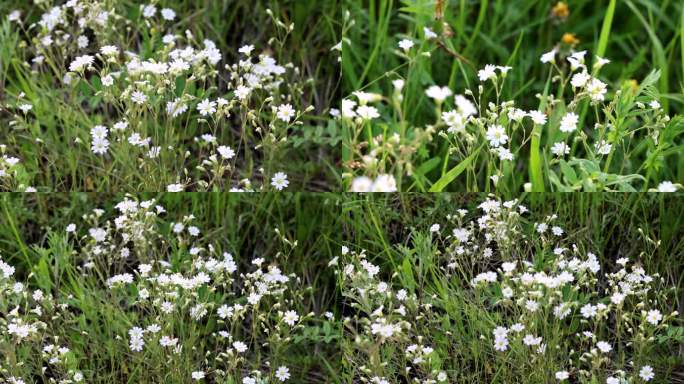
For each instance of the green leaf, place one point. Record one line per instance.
(455, 171)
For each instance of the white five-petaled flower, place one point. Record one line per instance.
(654, 316)
(646, 373)
(81, 62)
(282, 373)
(667, 186)
(285, 112)
(548, 57)
(138, 97)
(437, 93)
(487, 72)
(537, 117)
(279, 181)
(198, 375)
(406, 44)
(562, 375)
(290, 318)
(569, 122)
(206, 107)
(496, 135)
(225, 152)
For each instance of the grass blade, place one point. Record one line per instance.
(453, 172)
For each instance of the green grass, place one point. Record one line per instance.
(47, 139)
(514, 33)
(393, 229)
(97, 320)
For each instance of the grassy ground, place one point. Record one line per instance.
(96, 319)
(454, 318)
(637, 36)
(52, 140)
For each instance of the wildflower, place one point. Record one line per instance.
(434, 228)
(81, 62)
(570, 39)
(82, 41)
(246, 50)
(654, 316)
(559, 149)
(537, 117)
(242, 92)
(561, 11)
(406, 44)
(596, 89)
(441, 376)
(612, 380)
(198, 375)
(290, 318)
(176, 107)
(282, 373)
(580, 79)
(71, 228)
(239, 346)
(279, 181)
(108, 81)
(168, 14)
(562, 375)
(109, 50)
(504, 153)
(455, 121)
(384, 183)
(285, 112)
(487, 73)
(439, 94)
(569, 122)
(138, 97)
(206, 107)
(25, 107)
(149, 11)
(602, 147)
(429, 34)
(604, 347)
(366, 112)
(667, 186)
(496, 135)
(646, 373)
(174, 188)
(600, 62)
(548, 57)
(361, 184)
(588, 311)
(225, 152)
(501, 344)
(654, 104)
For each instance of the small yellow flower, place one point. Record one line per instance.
(560, 10)
(570, 39)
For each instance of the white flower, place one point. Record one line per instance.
(108, 81)
(176, 107)
(99, 146)
(580, 79)
(603, 148)
(206, 107)
(285, 112)
(149, 11)
(246, 50)
(596, 89)
(667, 186)
(537, 117)
(600, 62)
(406, 44)
(361, 184)
(174, 188)
(504, 153)
(654, 316)
(434, 228)
(71, 228)
(168, 14)
(562, 375)
(82, 41)
(654, 104)
(81, 62)
(290, 318)
(138, 97)
(198, 375)
(560, 148)
(548, 57)
(225, 152)
(496, 135)
(646, 373)
(441, 376)
(109, 50)
(588, 311)
(487, 73)
(569, 122)
(439, 94)
(242, 92)
(366, 112)
(279, 181)
(604, 347)
(501, 344)
(282, 373)
(25, 107)
(465, 106)
(455, 121)
(239, 346)
(384, 183)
